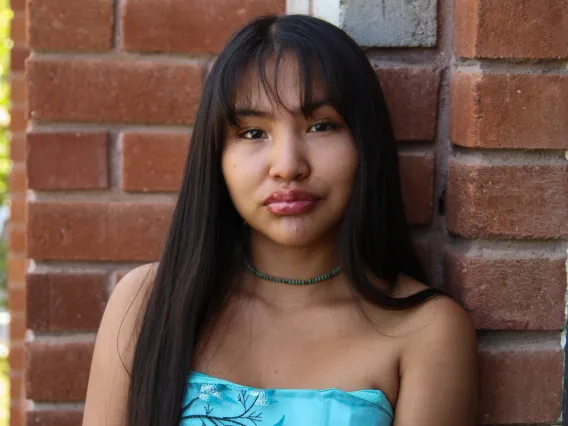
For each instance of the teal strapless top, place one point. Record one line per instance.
(212, 401)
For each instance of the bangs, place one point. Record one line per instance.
(259, 67)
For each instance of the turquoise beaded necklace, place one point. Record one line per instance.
(315, 280)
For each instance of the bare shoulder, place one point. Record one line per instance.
(114, 349)
(438, 318)
(438, 365)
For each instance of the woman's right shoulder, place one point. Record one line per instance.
(127, 303)
(114, 348)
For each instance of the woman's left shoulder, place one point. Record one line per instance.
(439, 320)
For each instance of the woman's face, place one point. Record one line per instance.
(289, 176)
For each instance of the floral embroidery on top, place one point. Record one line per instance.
(218, 394)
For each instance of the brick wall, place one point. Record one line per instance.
(479, 95)
(17, 263)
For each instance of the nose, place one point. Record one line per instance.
(288, 160)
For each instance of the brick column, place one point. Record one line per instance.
(17, 229)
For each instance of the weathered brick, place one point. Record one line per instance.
(509, 291)
(188, 26)
(490, 110)
(507, 201)
(17, 385)
(64, 25)
(16, 299)
(18, 119)
(18, 5)
(17, 238)
(97, 231)
(17, 179)
(67, 160)
(520, 383)
(17, 414)
(412, 98)
(58, 371)
(17, 265)
(18, 29)
(65, 301)
(17, 327)
(16, 358)
(153, 161)
(511, 28)
(18, 209)
(62, 417)
(18, 90)
(142, 91)
(389, 23)
(18, 56)
(417, 180)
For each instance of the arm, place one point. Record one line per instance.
(107, 392)
(439, 370)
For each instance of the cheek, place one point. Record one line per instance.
(338, 166)
(240, 172)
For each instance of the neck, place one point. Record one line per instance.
(299, 263)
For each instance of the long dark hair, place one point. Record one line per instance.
(206, 238)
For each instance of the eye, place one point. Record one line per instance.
(323, 126)
(252, 134)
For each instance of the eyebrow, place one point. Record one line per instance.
(307, 109)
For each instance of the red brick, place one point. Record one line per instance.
(507, 201)
(17, 386)
(520, 383)
(58, 371)
(417, 180)
(62, 417)
(509, 292)
(16, 358)
(18, 149)
(188, 26)
(97, 231)
(17, 300)
(509, 111)
(16, 268)
(67, 160)
(142, 91)
(17, 327)
(511, 28)
(65, 301)
(64, 25)
(17, 417)
(18, 29)
(18, 119)
(412, 98)
(18, 209)
(18, 5)
(17, 238)
(18, 90)
(153, 162)
(18, 56)
(17, 179)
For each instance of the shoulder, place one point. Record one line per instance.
(126, 305)
(438, 365)
(114, 348)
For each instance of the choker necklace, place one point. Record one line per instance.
(315, 280)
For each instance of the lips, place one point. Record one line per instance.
(290, 202)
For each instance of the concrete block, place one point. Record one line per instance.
(390, 23)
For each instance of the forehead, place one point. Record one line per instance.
(277, 86)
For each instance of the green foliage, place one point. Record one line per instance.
(5, 46)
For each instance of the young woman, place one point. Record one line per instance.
(288, 291)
